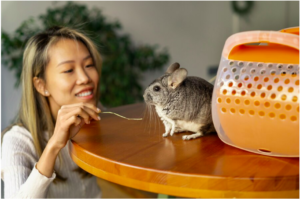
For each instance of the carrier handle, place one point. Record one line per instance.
(275, 37)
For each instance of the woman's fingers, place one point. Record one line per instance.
(88, 108)
(75, 112)
(88, 105)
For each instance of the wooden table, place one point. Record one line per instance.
(134, 154)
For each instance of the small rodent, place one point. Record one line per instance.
(183, 103)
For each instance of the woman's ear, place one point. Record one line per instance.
(40, 86)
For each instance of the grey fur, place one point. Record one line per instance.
(189, 102)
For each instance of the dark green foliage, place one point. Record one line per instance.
(123, 62)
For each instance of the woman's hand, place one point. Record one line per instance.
(70, 119)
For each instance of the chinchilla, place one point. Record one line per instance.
(183, 103)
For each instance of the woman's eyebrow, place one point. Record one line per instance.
(72, 61)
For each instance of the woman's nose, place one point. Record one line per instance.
(82, 77)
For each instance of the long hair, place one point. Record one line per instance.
(34, 113)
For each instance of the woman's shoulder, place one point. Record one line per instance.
(18, 148)
(16, 134)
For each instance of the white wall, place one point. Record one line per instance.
(193, 32)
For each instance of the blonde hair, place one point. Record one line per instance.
(34, 113)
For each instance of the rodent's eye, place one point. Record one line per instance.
(156, 88)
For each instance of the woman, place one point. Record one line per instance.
(60, 77)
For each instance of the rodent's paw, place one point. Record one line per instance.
(165, 134)
(194, 136)
(186, 137)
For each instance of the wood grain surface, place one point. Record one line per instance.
(134, 154)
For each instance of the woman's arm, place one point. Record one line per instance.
(70, 119)
(21, 179)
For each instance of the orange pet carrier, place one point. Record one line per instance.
(255, 103)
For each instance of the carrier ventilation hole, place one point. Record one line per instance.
(293, 118)
(270, 65)
(228, 100)
(264, 150)
(286, 81)
(266, 79)
(224, 110)
(276, 80)
(231, 63)
(283, 97)
(279, 66)
(259, 86)
(256, 78)
(250, 64)
(295, 98)
(246, 78)
(277, 105)
(294, 74)
(233, 70)
(288, 107)
(267, 104)
(242, 111)
(279, 88)
(233, 92)
(251, 112)
(291, 89)
(227, 76)
(260, 65)
(230, 84)
(262, 72)
(225, 69)
(222, 83)
(297, 82)
(273, 96)
(243, 70)
(236, 77)
(252, 71)
(224, 91)
(243, 93)
(261, 113)
(252, 94)
(232, 110)
(237, 101)
(247, 102)
(290, 66)
(273, 72)
(249, 85)
(269, 87)
(240, 85)
(256, 103)
(272, 115)
(282, 116)
(241, 64)
(263, 95)
(283, 73)
(219, 100)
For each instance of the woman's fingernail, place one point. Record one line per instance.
(99, 118)
(98, 110)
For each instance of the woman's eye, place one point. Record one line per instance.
(68, 71)
(91, 65)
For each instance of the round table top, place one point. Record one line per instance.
(134, 153)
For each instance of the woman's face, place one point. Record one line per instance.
(71, 76)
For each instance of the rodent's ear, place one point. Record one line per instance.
(172, 68)
(177, 77)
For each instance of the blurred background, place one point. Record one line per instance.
(138, 40)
